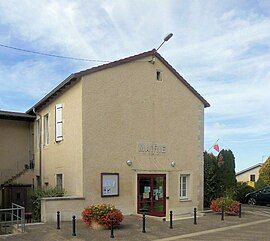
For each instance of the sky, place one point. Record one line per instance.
(220, 47)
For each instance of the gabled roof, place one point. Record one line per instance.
(249, 169)
(9, 115)
(73, 78)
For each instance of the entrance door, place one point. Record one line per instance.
(151, 194)
(15, 194)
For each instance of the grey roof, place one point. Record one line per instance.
(73, 78)
(249, 169)
(9, 115)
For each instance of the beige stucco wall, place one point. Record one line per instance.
(67, 206)
(245, 177)
(28, 177)
(16, 150)
(16, 147)
(125, 106)
(66, 156)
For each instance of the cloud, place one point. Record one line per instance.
(220, 47)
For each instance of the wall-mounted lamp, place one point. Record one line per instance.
(173, 164)
(129, 162)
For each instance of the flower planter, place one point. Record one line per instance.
(230, 206)
(100, 217)
(96, 226)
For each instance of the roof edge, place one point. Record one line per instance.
(79, 74)
(249, 168)
(76, 76)
(46, 97)
(174, 71)
(11, 115)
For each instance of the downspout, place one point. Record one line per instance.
(40, 147)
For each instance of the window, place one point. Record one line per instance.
(159, 75)
(59, 182)
(252, 178)
(184, 179)
(18, 196)
(58, 123)
(46, 129)
(37, 133)
(38, 180)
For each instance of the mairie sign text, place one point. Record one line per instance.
(152, 148)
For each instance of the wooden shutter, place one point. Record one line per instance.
(58, 122)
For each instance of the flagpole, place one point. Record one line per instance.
(213, 145)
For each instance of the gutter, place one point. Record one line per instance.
(40, 145)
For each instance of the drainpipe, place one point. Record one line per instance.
(40, 147)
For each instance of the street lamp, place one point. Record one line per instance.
(165, 40)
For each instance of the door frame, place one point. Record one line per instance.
(152, 176)
(8, 191)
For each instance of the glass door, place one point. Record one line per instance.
(159, 199)
(144, 195)
(151, 196)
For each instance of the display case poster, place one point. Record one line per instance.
(109, 184)
(147, 189)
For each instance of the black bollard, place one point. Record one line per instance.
(58, 219)
(171, 221)
(195, 216)
(222, 214)
(74, 226)
(240, 210)
(143, 220)
(112, 234)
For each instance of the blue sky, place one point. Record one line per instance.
(220, 47)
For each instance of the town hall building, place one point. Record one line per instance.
(129, 133)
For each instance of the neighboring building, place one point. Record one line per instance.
(249, 175)
(129, 133)
(16, 157)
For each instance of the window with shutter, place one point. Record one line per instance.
(58, 123)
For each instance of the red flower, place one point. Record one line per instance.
(102, 214)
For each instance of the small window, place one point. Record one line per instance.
(159, 75)
(38, 180)
(59, 182)
(252, 178)
(46, 129)
(18, 196)
(184, 181)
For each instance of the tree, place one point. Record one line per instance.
(226, 162)
(211, 178)
(265, 172)
(219, 176)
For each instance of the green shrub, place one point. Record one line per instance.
(241, 190)
(260, 184)
(35, 199)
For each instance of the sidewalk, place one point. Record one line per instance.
(209, 227)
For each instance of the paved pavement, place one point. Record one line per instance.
(253, 225)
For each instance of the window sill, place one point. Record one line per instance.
(185, 200)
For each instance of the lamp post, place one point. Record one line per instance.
(168, 36)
